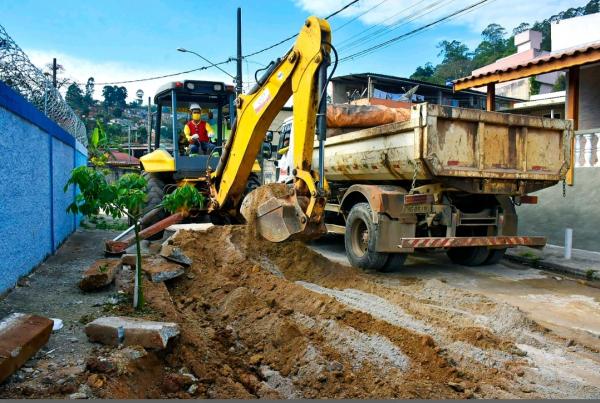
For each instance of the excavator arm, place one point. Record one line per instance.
(288, 213)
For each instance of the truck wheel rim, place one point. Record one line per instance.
(360, 237)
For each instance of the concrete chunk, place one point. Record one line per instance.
(115, 330)
(175, 254)
(160, 269)
(100, 274)
(21, 336)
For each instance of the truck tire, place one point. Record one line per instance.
(469, 256)
(494, 257)
(360, 239)
(395, 262)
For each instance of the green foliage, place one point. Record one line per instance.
(458, 61)
(99, 146)
(114, 96)
(560, 84)
(183, 199)
(126, 196)
(534, 86)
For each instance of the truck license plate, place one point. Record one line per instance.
(417, 208)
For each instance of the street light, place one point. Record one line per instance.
(205, 59)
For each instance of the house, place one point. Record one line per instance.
(377, 87)
(576, 51)
(528, 46)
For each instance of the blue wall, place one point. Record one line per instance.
(36, 158)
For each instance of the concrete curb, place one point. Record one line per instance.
(582, 269)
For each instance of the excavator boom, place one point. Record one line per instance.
(279, 214)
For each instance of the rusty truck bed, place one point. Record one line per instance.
(477, 151)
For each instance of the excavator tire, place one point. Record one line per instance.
(253, 183)
(155, 192)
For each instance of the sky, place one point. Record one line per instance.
(115, 40)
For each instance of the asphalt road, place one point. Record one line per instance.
(562, 304)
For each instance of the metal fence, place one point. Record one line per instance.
(17, 71)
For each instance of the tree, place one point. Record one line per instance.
(534, 86)
(75, 99)
(114, 96)
(493, 47)
(522, 27)
(108, 92)
(88, 98)
(424, 73)
(456, 61)
(127, 196)
(560, 84)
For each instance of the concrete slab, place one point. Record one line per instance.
(21, 336)
(115, 330)
(202, 227)
(100, 274)
(159, 269)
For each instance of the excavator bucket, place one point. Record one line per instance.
(277, 214)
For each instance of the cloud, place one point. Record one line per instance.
(80, 69)
(508, 13)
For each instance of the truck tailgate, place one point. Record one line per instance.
(459, 142)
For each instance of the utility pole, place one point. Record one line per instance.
(129, 142)
(238, 80)
(54, 68)
(149, 127)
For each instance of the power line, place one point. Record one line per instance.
(341, 9)
(360, 15)
(223, 62)
(413, 32)
(163, 76)
(295, 35)
(421, 12)
(363, 34)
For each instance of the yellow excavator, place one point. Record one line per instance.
(279, 212)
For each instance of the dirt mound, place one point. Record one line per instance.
(268, 320)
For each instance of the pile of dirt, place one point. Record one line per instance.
(268, 320)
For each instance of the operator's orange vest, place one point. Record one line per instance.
(199, 129)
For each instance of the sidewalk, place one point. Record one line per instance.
(583, 263)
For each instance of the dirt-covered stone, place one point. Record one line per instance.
(100, 274)
(115, 330)
(21, 336)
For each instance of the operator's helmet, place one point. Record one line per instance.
(195, 106)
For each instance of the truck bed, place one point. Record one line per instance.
(473, 150)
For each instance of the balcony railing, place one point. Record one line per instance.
(586, 148)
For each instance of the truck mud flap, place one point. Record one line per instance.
(458, 242)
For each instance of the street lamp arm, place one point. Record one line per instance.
(205, 59)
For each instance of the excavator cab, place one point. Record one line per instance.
(173, 101)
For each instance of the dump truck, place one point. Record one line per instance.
(444, 178)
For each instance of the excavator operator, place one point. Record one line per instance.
(198, 132)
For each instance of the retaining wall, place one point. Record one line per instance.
(36, 158)
(578, 210)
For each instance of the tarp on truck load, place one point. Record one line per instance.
(346, 115)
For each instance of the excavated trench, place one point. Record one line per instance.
(269, 320)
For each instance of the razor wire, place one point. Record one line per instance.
(17, 71)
